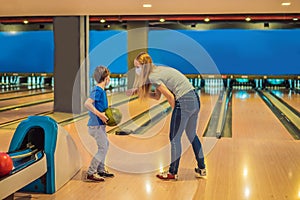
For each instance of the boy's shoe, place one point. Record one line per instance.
(94, 177)
(106, 174)
(200, 173)
(167, 176)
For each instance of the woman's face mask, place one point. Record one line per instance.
(138, 70)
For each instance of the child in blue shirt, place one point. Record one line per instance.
(97, 104)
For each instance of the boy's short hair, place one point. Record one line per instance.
(100, 73)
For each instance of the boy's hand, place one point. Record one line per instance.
(103, 117)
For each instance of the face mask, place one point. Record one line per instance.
(138, 70)
(107, 82)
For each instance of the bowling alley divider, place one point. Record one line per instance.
(45, 158)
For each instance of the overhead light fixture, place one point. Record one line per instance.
(206, 19)
(162, 20)
(147, 5)
(102, 20)
(295, 19)
(248, 19)
(286, 3)
(25, 21)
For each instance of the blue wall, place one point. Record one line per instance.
(230, 51)
(109, 48)
(259, 52)
(27, 52)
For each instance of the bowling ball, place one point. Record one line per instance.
(114, 116)
(6, 164)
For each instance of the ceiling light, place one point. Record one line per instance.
(207, 19)
(286, 3)
(102, 20)
(295, 19)
(25, 21)
(248, 19)
(147, 5)
(162, 20)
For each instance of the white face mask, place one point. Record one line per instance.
(138, 70)
(107, 82)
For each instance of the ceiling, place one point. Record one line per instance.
(14, 8)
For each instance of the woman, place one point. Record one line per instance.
(183, 99)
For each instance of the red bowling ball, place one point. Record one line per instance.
(6, 164)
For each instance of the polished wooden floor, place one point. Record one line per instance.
(260, 161)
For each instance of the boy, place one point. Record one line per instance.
(97, 104)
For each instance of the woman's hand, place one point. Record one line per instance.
(131, 92)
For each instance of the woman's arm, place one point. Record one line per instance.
(89, 105)
(166, 92)
(155, 95)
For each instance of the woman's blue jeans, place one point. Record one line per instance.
(184, 118)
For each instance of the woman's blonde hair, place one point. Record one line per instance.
(141, 81)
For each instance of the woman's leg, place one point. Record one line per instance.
(193, 138)
(176, 129)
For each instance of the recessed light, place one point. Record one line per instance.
(25, 21)
(147, 5)
(162, 20)
(248, 19)
(207, 19)
(286, 3)
(102, 20)
(295, 19)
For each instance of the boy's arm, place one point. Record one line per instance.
(89, 105)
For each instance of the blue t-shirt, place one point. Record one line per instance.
(100, 103)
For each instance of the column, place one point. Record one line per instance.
(71, 66)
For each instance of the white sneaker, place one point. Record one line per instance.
(200, 173)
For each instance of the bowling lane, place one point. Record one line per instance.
(124, 185)
(157, 137)
(18, 94)
(249, 110)
(26, 100)
(293, 99)
(22, 113)
(261, 161)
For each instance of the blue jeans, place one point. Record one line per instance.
(184, 118)
(100, 135)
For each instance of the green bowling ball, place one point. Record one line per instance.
(114, 116)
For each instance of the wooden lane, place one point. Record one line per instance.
(253, 112)
(292, 99)
(22, 113)
(17, 93)
(261, 161)
(23, 100)
(129, 185)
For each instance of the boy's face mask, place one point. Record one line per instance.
(107, 81)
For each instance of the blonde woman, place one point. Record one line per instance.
(184, 101)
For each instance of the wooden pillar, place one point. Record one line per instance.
(71, 66)
(137, 42)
